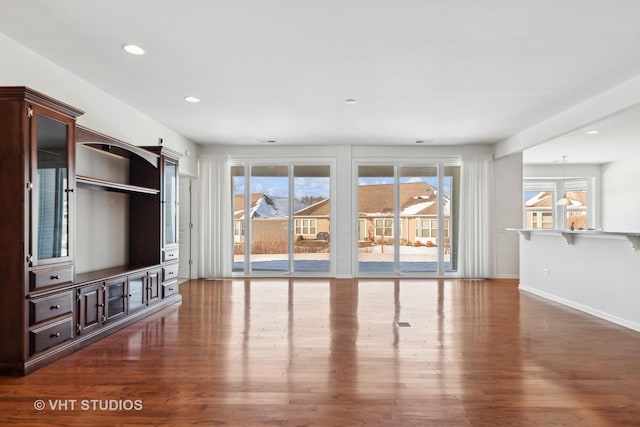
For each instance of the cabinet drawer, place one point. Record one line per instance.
(44, 309)
(169, 289)
(51, 276)
(169, 272)
(169, 254)
(51, 335)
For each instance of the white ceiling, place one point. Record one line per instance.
(450, 72)
(618, 137)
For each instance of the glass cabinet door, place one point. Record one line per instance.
(50, 197)
(137, 297)
(170, 203)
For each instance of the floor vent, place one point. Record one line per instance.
(403, 324)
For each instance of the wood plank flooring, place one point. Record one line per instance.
(312, 352)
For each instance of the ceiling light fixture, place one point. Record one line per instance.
(592, 132)
(191, 99)
(133, 49)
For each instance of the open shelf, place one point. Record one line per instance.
(100, 184)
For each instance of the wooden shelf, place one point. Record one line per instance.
(109, 145)
(101, 184)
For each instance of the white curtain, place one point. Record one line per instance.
(476, 216)
(215, 218)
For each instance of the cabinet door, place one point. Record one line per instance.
(137, 296)
(170, 203)
(91, 310)
(52, 180)
(153, 286)
(116, 297)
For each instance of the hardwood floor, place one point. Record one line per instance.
(317, 352)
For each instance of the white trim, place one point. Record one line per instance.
(586, 309)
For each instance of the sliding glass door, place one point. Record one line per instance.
(407, 218)
(284, 211)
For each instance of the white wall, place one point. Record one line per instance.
(103, 112)
(508, 214)
(509, 182)
(597, 275)
(620, 196)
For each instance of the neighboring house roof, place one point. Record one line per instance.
(544, 199)
(264, 206)
(416, 199)
(320, 208)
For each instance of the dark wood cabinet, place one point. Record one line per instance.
(91, 308)
(53, 302)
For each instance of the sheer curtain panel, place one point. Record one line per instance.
(476, 219)
(215, 218)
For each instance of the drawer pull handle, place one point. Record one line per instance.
(56, 277)
(55, 307)
(171, 289)
(171, 273)
(56, 335)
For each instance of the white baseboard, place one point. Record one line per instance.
(589, 310)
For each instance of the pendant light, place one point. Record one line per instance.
(564, 200)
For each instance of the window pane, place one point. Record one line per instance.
(312, 213)
(237, 191)
(375, 205)
(538, 207)
(577, 210)
(419, 205)
(451, 217)
(269, 218)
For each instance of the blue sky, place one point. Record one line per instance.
(319, 187)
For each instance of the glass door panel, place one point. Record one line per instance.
(376, 214)
(419, 218)
(451, 216)
(269, 213)
(170, 203)
(115, 298)
(312, 218)
(136, 292)
(51, 210)
(239, 217)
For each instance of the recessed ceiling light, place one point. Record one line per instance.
(133, 49)
(191, 99)
(592, 132)
(350, 101)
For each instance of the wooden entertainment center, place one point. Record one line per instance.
(90, 231)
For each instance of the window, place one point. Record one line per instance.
(306, 226)
(405, 218)
(541, 210)
(282, 214)
(238, 230)
(540, 220)
(428, 227)
(383, 227)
